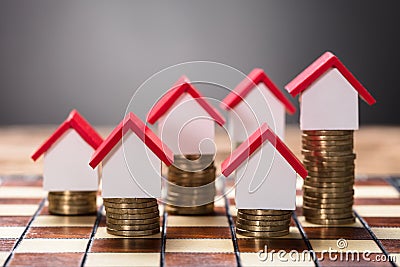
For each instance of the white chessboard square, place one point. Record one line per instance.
(199, 245)
(43, 245)
(123, 259)
(63, 221)
(197, 221)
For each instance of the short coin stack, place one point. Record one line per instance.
(263, 223)
(328, 189)
(191, 187)
(132, 216)
(72, 202)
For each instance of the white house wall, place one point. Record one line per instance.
(277, 191)
(187, 128)
(259, 106)
(66, 165)
(140, 178)
(330, 103)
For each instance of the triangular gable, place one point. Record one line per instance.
(318, 68)
(182, 86)
(133, 123)
(255, 77)
(248, 147)
(80, 125)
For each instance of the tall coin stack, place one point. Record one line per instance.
(191, 187)
(72, 202)
(263, 223)
(328, 190)
(132, 216)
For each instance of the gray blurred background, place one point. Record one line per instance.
(92, 55)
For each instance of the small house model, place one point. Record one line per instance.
(131, 161)
(186, 120)
(266, 172)
(329, 95)
(66, 155)
(256, 100)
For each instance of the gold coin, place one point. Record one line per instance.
(329, 149)
(141, 216)
(263, 217)
(329, 169)
(327, 206)
(132, 222)
(328, 132)
(331, 174)
(128, 200)
(262, 228)
(133, 233)
(329, 195)
(262, 222)
(331, 221)
(310, 215)
(330, 179)
(131, 211)
(314, 153)
(326, 137)
(326, 158)
(262, 234)
(326, 211)
(332, 164)
(307, 188)
(329, 184)
(330, 143)
(329, 200)
(130, 206)
(138, 227)
(265, 212)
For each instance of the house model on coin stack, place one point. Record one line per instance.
(255, 100)
(66, 154)
(266, 172)
(131, 161)
(185, 119)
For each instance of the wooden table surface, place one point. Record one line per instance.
(377, 148)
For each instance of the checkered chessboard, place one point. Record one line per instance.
(30, 236)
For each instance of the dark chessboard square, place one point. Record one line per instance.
(59, 232)
(255, 244)
(350, 233)
(7, 244)
(334, 260)
(377, 201)
(199, 259)
(391, 245)
(131, 245)
(7, 201)
(46, 259)
(14, 220)
(383, 222)
(198, 232)
(371, 181)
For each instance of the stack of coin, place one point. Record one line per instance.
(72, 202)
(191, 187)
(132, 216)
(263, 223)
(328, 189)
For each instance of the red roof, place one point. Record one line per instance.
(182, 86)
(133, 123)
(319, 67)
(80, 125)
(255, 77)
(248, 147)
